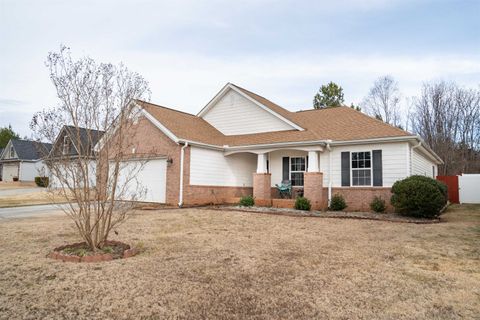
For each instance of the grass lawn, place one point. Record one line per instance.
(210, 264)
(31, 198)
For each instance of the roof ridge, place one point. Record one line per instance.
(256, 94)
(168, 108)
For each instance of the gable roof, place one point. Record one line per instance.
(30, 150)
(334, 123)
(87, 139)
(265, 104)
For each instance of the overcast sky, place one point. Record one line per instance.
(283, 50)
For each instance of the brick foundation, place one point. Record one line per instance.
(359, 198)
(199, 195)
(313, 189)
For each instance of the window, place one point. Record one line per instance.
(297, 169)
(12, 152)
(361, 169)
(66, 145)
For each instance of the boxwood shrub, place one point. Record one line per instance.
(378, 205)
(41, 181)
(247, 201)
(419, 196)
(337, 203)
(302, 203)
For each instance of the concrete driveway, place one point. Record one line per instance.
(30, 211)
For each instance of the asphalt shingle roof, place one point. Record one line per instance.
(334, 123)
(30, 150)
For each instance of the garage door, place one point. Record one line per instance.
(151, 176)
(9, 171)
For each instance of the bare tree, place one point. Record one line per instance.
(95, 109)
(448, 118)
(383, 101)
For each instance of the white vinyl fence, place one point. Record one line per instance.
(469, 188)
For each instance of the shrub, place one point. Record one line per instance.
(15, 179)
(41, 181)
(378, 205)
(302, 203)
(337, 203)
(247, 201)
(419, 196)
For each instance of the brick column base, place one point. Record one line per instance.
(313, 189)
(262, 191)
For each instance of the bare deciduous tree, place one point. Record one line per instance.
(448, 118)
(383, 101)
(95, 108)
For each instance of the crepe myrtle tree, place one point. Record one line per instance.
(92, 136)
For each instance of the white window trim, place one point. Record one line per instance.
(290, 169)
(371, 169)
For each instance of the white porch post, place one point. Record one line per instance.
(313, 161)
(262, 163)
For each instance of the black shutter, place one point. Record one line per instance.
(346, 169)
(377, 168)
(285, 168)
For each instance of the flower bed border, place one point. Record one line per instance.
(330, 214)
(58, 255)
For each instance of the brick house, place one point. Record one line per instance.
(243, 144)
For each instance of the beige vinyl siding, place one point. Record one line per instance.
(394, 161)
(212, 168)
(421, 165)
(234, 114)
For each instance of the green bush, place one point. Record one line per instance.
(247, 201)
(302, 203)
(337, 203)
(41, 181)
(378, 205)
(419, 196)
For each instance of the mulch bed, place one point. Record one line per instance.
(388, 217)
(80, 252)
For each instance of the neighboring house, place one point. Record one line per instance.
(71, 144)
(1, 151)
(241, 144)
(22, 160)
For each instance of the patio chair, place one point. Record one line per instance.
(285, 189)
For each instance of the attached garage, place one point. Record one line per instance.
(10, 170)
(151, 176)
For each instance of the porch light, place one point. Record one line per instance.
(169, 162)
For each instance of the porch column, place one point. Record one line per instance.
(262, 183)
(313, 182)
(313, 161)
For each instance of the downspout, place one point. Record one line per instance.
(329, 173)
(182, 157)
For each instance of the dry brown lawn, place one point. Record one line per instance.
(32, 198)
(202, 264)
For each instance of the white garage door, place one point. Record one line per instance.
(151, 178)
(9, 171)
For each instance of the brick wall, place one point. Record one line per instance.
(359, 198)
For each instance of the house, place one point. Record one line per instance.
(71, 144)
(241, 144)
(1, 166)
(22, 160)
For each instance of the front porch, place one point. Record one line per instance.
(298, 168)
